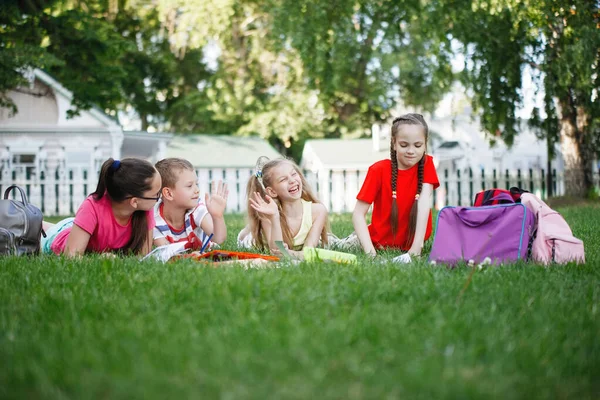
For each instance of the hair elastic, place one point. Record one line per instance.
(262, 160)
(115, 165)
(393, 194)
(259, 176)
(417, 196)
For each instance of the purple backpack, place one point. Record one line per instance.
(502, 233)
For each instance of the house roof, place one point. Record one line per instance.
(143, 144)
(220, 151)
(342, 153)
(59, 89)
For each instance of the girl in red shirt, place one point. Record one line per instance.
(400, 190)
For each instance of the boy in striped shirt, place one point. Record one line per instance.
(180, 214)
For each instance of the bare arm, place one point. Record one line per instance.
(216, 226)
(319, 216)
(216, 203)
(77, 242)
(266, 228)
(219, 230)
(268, 212)
(160, 241)
(275, 233)
(359, 220)
(422, 218)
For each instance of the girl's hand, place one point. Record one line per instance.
(298, 255)
(216, 202)
(276, 252)
(264, 208)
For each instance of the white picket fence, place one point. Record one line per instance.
(60, 192)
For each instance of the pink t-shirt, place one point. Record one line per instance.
(96, 218)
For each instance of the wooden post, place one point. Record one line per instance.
(458, 187)
(471, 194)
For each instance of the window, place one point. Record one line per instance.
(23, 166)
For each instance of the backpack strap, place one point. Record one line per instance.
(18, 188)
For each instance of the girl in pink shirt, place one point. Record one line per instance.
(117, 217)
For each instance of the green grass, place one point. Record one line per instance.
(103, 328)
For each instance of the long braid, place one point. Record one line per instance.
(394, 214)
(407, 119)
(414, 211)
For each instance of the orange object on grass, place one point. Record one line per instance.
(226, 255)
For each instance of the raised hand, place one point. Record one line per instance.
(265, 208)
(216, 202)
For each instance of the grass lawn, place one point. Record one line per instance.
(103, 328)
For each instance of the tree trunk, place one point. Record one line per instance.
(549, 180)
(144, 119)
(575, 147)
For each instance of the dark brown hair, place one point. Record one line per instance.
(169, 169)
(129, 177)
(259, 181)
(406, 119)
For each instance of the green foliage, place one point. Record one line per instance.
(288, 70)
(100, 327)
(255, 88)
(92, 50)
(285, 70)
(559, 42)
(20, 39)
(363, 57)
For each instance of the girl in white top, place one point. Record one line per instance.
(281, 206)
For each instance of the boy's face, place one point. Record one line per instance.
(186, 193)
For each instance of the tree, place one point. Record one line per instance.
(361, 57)
(113, 55)
(560, 42)
(20, 45)
(253, 86)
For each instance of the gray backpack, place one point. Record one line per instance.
(20, 225)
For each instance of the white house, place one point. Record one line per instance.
(462, 145)
(46, 152)
(336, 168)
(57, 159)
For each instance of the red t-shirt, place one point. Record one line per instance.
(377, 190)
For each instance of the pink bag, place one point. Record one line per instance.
(554, 241)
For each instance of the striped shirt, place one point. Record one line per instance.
(191, 230)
